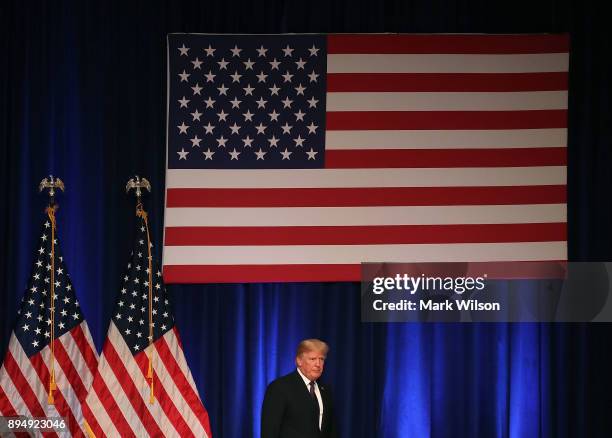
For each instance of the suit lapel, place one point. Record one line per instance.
(301, 388)
(305, 398)
(325, 400)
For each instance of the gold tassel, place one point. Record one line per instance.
(52, 387)
(150, 376)
(140, 212)
(90, 432)
(152, 396)
(150, 370)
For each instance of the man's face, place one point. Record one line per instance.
(311, 364)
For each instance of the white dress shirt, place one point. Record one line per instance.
(317, 393)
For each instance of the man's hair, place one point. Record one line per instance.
(308, 345)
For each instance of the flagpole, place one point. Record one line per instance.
(51, 184)
(137, 184)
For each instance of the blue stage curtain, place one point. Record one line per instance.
(82, 96)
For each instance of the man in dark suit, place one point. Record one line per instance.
(298, 405)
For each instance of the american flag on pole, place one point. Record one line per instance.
(32, 361)
(143, 386)
(297, 157)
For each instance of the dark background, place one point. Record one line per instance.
(82, 96)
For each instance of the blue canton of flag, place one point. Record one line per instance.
(131, 315)
(33, 328)
(246, 101)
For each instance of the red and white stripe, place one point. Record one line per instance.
(438, 148)
(118, 403)
(24, 381)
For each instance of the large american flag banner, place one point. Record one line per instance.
(297, 157)
(32, 362)
(143, 386)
